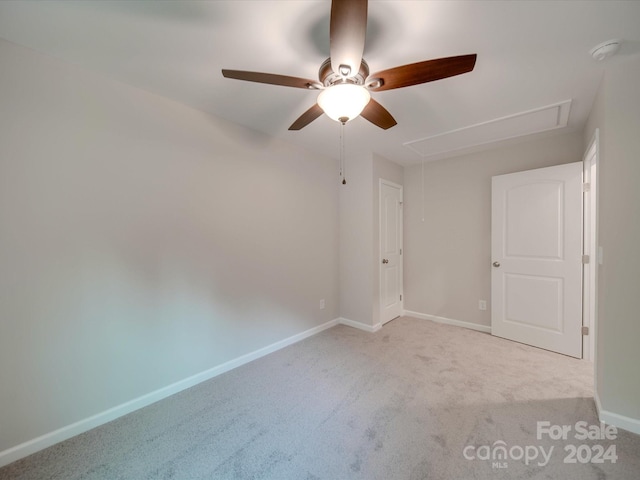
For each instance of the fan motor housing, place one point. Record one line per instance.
(328, 77)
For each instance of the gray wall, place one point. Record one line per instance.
(448, 255)
(143, 242)
(356, 230)
(616, 113)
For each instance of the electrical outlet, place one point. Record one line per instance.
(482, 305)
(322, 304)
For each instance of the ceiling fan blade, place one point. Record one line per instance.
(378, 115)
(421, 72)
(271, 79)
(347, 34)
(307, 117)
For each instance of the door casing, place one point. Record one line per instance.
(590, 248)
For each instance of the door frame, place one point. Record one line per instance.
(389, 183)
(590, 247)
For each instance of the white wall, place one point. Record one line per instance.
(616, 113)
(448, 255)
(142, 242)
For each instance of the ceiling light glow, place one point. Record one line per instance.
(343, 101)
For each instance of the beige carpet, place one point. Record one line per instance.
(417, 400)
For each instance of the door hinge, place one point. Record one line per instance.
(400, 251)
(585, 331)
(586, 187)
(400, 297)
(585, 259)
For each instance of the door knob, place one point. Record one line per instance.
(384, 260)
(496, 264)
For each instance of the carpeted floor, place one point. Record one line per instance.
(416, 400)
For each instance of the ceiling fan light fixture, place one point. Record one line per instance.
(344, 100)
(344, 77)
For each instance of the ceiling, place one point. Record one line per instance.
(530, 55)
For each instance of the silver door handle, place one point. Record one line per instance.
(496, 264)
(384, 260)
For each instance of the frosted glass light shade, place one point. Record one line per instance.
(344, 100)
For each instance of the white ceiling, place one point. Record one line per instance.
(530, 55)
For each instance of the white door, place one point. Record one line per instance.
(536, 250)
(390, 251)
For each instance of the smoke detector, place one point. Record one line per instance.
(605, 49)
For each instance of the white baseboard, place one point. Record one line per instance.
(448, 321)
(27, 448)
(615, 419)
(359, 325)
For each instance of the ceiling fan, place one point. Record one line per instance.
(344, 78)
